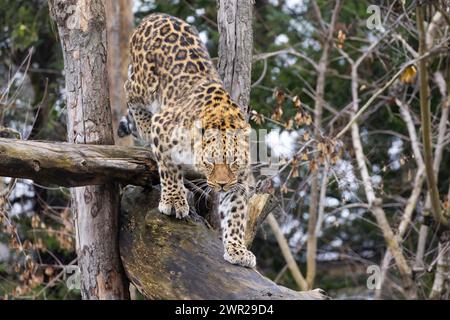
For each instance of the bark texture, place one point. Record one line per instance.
(82, 30)
(119, 22)
(71, 165)
(234, 19)
(167, 258)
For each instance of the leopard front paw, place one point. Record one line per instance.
(165, 207)
(240, 256)
(181, 208)
(179, 205)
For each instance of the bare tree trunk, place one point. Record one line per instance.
(82, 30)
(234, 20)
(235, 48)
(119, 22)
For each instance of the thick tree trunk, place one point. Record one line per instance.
(235, 48)
(82, 30)
(167, 258)
(119, 21)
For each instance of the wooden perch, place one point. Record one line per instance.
(74, 165)
(167, 258)
(71, 165)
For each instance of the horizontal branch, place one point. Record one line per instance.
(73, 165)
(168, 258)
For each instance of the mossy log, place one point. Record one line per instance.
(167, 258)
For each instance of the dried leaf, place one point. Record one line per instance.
(341, 39)
(408, 75)
(297, 102)
(288, 125)
(306, 136)
(307, 119)
(35, 220)
(295, 172)
(279, 96)
(256, 117)
(49, 271)
(298, 118)
(277, 114)
(334, 159)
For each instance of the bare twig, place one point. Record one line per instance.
(287, 254)
(426, 122)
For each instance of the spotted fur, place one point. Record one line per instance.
(178, 103)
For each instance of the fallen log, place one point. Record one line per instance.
(167, 258)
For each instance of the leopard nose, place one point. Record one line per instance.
(222, 185)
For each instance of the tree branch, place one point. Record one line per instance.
(375, 204)
(426, 123)
(287, 254)
(74, 165)
(387, 85)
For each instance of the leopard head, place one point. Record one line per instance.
(222, 154)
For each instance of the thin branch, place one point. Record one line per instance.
(287, 254)
(387, 85)
(426, 122)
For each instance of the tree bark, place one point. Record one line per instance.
(167, 258)
(82, 30)
(119, 22)
(235, 48)
(71, 165)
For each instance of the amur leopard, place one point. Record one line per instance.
(178, 104)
